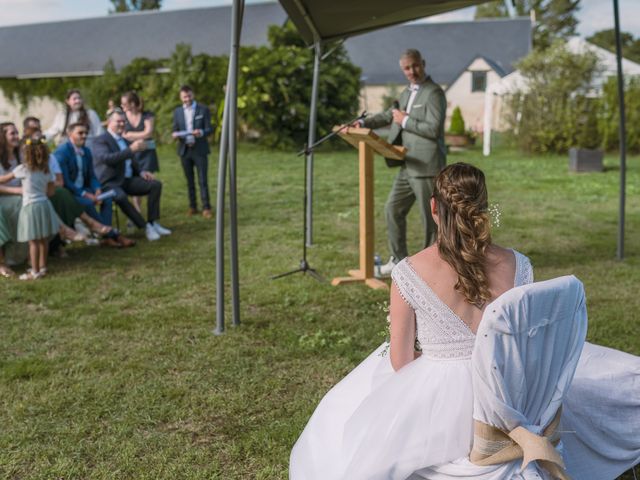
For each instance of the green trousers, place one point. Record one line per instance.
(405, 191)
(14, 252)
(67, 208)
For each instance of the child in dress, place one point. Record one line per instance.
(38, 220)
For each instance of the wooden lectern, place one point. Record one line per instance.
(367, 144)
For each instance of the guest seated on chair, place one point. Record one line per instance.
(76, 164)
(116, 170)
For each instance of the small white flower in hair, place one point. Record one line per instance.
(495, 213)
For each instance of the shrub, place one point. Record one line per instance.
(457, 122)
(588, 135)
(609, 119)
(545, 118)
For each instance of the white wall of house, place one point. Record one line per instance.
(42, 107)
(372, 96)
(460, 94)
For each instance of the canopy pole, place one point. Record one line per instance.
(622, 133)
(238, 13)
(222, 182)
(311, 139)
(228, 149)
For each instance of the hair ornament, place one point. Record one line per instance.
(495, 213)
(27, 141)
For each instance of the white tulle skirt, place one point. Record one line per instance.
(379, 424)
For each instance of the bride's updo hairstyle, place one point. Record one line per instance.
(464, 228)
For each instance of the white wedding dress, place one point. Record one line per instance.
(379, 424)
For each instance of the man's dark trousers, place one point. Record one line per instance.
(190, 160)
(138, 187)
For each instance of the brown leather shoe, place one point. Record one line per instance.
(206, 213)
(110, 242)
(191, 212)
(125, 242)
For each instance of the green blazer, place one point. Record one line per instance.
(423, 134)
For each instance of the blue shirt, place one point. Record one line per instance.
(128, 169)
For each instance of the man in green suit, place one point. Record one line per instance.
(417, 122)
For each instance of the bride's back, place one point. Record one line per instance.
(500, 269)
(464, 269)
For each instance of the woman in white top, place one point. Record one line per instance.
(74, 112)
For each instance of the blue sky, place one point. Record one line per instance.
(594, 15)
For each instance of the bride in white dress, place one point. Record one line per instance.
(400, 412)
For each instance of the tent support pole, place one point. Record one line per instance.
(313, 118)
(220, 196)
(228, 149)
(623, 134)
(238, 13)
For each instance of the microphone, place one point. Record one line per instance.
(396, 105)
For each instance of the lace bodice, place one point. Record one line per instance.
(441, 333)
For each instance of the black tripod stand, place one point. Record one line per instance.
(304, 265)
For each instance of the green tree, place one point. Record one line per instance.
(554, 18)
(275, 89)
(491, 10)
(547, 115)
(607, 39)
(134, 5)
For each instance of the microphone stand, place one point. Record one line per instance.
(306, 151)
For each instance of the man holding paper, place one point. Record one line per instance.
(191, 127)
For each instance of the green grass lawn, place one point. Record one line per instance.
(108, 366)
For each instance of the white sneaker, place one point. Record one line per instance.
(160, 229)
(81, 228)
(151, 233)
(92, 242)
(385, 270)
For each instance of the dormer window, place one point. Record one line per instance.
(478, 81)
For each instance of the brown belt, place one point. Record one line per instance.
(492, 446)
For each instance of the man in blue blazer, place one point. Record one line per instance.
(191, 127)
(116, 170)
(76, 164)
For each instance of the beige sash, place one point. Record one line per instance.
(492, 446)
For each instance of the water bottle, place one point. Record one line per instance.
(377, 263)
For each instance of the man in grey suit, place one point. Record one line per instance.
(417, 122)
(116, 170)
(191, 127)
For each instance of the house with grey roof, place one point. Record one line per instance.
(81, 48)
